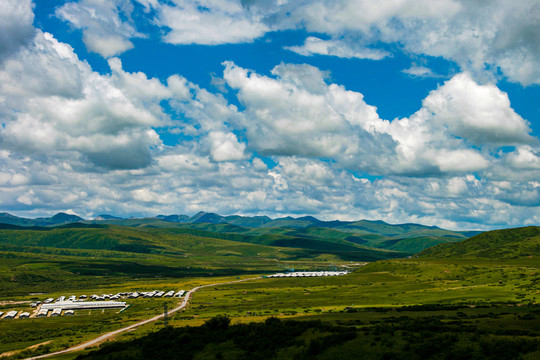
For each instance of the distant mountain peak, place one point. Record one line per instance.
(174, 218)
(308, 218)
(107, 217)
(62, 218)
(204, 217)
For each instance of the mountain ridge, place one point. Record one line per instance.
(375, 234)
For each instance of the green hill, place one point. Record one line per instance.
(180, 242)
(508, 243)
(308, 230)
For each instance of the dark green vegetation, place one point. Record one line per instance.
(311, 232)
(391, 335)
(498, 244)
(409, 238)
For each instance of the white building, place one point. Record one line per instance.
(82, 305)
(24, 315)
(42, 313)
(11, 314)
(308, 274)
(56, 312)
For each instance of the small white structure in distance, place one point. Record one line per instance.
(24, 315)
(134, 295)
(42, 313)
(56, 312)
(48, 300)
(169, 294)
(308, 274)
(69, 313)
(11, 314)
(83, 305)
(180, 293)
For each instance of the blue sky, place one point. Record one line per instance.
(405, 111)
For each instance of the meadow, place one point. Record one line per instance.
(495, 298)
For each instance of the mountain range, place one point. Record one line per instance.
(286, 231)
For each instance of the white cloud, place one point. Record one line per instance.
(479, 113)
(420, 72)
(475, 34)
(209, 22)
(524, 158)
(16, 28)
(81, 113)
(75, 139)
(337, 16)
(296, 113)
(225, 146)
(483, 37)
(339, 48)
(104, 32)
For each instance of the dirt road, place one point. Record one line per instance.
(111, 334)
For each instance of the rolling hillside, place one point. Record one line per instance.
(309, 231)
(181, 242)
(496, 244)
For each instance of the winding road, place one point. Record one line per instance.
(111, 334)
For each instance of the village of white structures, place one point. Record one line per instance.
(67, 305)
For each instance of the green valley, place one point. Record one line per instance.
(474, 293)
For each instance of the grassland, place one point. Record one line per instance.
(473, 294)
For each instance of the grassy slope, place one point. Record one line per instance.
(374, 234)
(63, 257)
(508, 243)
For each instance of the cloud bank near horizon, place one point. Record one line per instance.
(287, 142)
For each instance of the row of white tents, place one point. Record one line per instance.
(117, 296)
(308, 274)
(13, 314)
(44, 312)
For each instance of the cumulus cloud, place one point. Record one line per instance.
(104, 31)
(16, 28)
(480, 113)
(524, 158)
(82, 113)
(209, 22)
(297, 113)
(475, 34)
(225, 146)
(482, 37)
(72, 138)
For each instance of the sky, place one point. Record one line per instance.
(424, 111)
